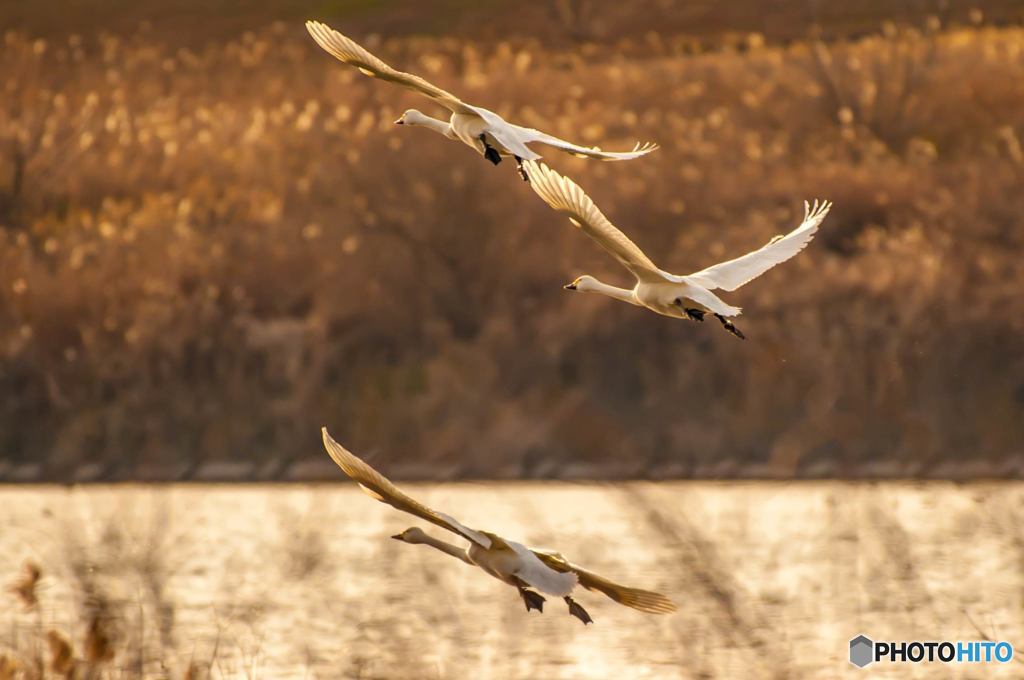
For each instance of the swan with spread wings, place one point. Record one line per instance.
(686, 297)
(487, 132)
(530, 570)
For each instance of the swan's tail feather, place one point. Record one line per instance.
(729, 310)
(702, 295)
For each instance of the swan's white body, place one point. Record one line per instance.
(520, 563)
(655, 288)
(508, 561)
(467, 123)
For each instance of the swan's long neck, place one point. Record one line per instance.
(453, 550)
(611, 291)
(438, 126)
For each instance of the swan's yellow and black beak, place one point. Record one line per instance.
(398, 537)
(570, 286)
(400, 121)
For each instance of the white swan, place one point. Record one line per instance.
(481, 129)
(505, 560)
(655, 289)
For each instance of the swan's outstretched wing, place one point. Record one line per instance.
(734, 273)
(529, 135)
(644, 600)
(380, 487)
(350, 52)
(565, 196)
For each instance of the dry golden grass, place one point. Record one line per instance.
(25, 660)
(555, 22)
(209, 253)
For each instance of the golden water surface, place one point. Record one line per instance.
(302, 581)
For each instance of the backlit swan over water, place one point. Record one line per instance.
(513, 563)
(669, 294)
(481, 129)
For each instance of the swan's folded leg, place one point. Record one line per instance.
(730, 327)
(490, 153)
(692, 313)
(531, 599)
(579, 612)
(522, 170)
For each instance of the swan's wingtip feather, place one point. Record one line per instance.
(818, 211)
(535, 169)
(318, 30)
(330, 444)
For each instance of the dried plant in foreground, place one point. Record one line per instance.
(62, 656)
(25, 587)
(8, 667)
(98, 646)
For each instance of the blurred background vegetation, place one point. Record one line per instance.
(213, 241)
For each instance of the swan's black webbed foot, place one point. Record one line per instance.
(579, 612)
(532, 600)
(730, 327)
(490, 153)
(522, 170)
(694, 314)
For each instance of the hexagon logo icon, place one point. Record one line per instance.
(862, 651)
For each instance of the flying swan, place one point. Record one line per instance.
(481, 129)
(513, 563)
(684, 297)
